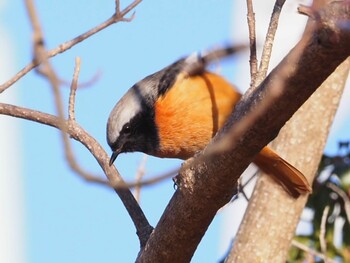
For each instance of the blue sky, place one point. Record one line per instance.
(66, 219)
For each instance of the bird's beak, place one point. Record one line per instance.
(114, 156)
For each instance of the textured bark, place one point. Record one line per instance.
(269, 224)
(208, 181)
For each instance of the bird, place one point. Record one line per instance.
(176, 111)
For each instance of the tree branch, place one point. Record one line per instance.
(73, 90)
(301, 142)
(79, 134)
(252, 41)
(312, 251)
(343, 196)
(139, 174)
(41, 57)
(270, 37)
(207, 182)
(322, 236)
(116, 17)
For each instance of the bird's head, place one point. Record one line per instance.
(132, 123)
(130, 126)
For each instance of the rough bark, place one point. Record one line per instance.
(200, 194)
(271, 213)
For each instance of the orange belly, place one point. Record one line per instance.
(191, 113)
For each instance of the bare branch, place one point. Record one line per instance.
(229, 140)
(307, 11)
(196, 203)
(70, 156)
(270, 36)
(139, 174)
(73, 90)
(343, 196)
(41, 57)
(252, 41)
(150, 181)
(322, 236)
(313, 252)
(120, 17)
(241, 126)
(117, 6)
(211, 56)
(296, 147)
(79, 134)
(85, 84)
(48, 72)
(37, 32)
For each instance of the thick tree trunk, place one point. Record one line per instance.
(269, 224)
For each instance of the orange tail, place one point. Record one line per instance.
(292, 180)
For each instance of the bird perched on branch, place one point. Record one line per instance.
(175, 112)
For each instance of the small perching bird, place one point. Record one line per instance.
(175, 112)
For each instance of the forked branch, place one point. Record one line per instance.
(118, 16)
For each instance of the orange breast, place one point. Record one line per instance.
(191, 113)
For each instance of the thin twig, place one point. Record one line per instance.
(73, 90)
(70, 156)
(311, 251)
(322, 237)
(253, 61)
(228, 139)
(226, 142)
(270, 36)
(345, 198)
(246, 183)
(117, 17)
(139, 174)
(308, 11)
(48, 72)
(244, 195)
(251, 178)
(85, 84)
(40, 57)
(117, 6)
(37, 32)
(152, 180)
(206, 58)
(97, 151)
(80, 135)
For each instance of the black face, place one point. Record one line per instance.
(138, 135)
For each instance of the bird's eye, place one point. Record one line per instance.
(126, 129)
